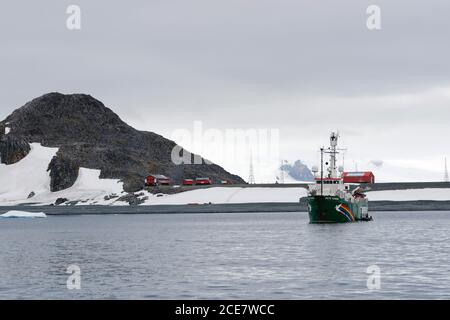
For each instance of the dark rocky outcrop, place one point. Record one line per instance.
(133, 199)
(63, 172)
(90, 135)
(60, 201)
(110, 196)
(12, 149)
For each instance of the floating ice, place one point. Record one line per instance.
(22, 214)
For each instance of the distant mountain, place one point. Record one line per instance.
(298, 171)
(90, 135)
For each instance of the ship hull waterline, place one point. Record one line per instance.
(332, 209)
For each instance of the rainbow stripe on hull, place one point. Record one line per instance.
(346, 211)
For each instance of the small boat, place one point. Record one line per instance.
(330, 200)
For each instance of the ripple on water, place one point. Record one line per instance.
(229, 256)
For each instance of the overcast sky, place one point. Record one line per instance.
(302, 67)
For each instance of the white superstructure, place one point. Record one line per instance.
(329, 180)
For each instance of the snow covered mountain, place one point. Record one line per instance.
(297, 172)
(58, 142)
(29, 183)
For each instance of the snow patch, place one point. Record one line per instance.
(7, 130)
(436, 194)
(23, 214)
(27, 175)
(220, 195)
(87, 189)
(30, 175)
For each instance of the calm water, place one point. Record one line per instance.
(225, 256)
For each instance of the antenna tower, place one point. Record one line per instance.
(251, 176)
(446, 179)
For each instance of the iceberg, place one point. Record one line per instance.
(23, 214)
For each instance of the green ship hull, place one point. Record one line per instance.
(333, 209)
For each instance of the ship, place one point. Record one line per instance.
(330, 200)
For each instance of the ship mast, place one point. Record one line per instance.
(321, 171)
(332, 167)
(333, 151)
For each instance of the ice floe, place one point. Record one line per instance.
(22, 214)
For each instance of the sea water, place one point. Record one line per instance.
(225, 256)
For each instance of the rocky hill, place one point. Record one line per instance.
(298, 170)
(90, 135)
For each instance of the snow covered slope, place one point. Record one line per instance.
(29, 177)
(230, 195)
(30, 174)
(262, 195)
(436, 194)
(18, 180)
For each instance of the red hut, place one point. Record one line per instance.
(203, 181)
(359, 177)
(157, 179)
(188, 182)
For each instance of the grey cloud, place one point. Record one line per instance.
(259, 63)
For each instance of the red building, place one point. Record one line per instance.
(188, 182)
(157, 179)
(203, 181)
(359, 177)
